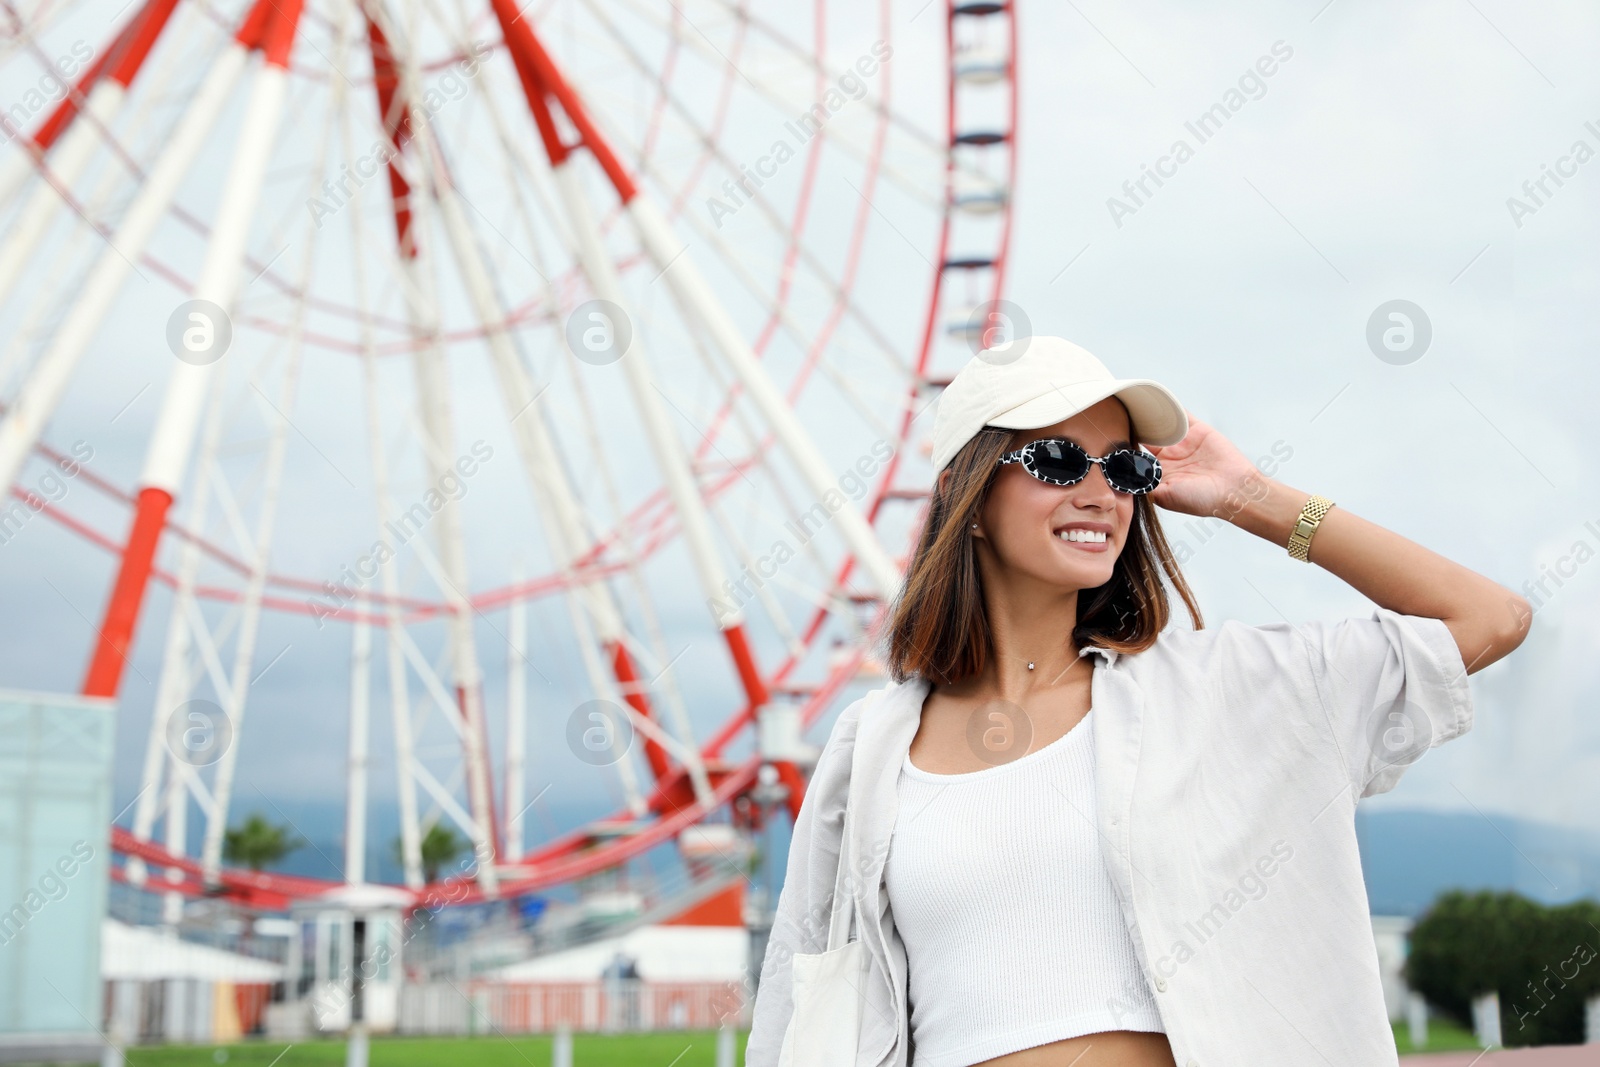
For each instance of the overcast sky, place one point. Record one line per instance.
(1376, 166)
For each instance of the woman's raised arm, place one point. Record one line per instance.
(1205, 474)
(1487, 620)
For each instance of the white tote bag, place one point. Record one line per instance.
(829, 987)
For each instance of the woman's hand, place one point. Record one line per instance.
(1204, 474)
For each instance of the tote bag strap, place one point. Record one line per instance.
(841, 919)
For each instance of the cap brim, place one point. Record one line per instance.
(1157, 416)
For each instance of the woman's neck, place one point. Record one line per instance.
(1030, 630)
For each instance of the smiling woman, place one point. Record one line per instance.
(939, 629)
(1115, 894)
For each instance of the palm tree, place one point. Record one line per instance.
(258, 843)
(438, 846)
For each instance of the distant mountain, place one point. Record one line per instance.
(1410, 857)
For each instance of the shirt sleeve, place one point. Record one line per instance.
(1392, 686)
(805, 904)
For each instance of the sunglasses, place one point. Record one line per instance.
(1058, 461)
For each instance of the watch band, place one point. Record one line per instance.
(1306, 525)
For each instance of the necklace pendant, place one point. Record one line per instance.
(1030, 666)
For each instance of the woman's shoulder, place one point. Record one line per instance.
(1283, 648)
(1226, 645)
(837, 751)
(848, 724)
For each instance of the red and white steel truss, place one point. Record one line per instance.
(580, 163)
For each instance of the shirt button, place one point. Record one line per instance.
(1194, 1063)
(1161, 987)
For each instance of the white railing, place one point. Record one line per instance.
(544, 1007)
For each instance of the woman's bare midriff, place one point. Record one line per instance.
(1114, 1048)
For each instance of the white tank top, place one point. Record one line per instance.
(1013, 934)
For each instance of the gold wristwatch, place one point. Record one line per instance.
(1306, 525)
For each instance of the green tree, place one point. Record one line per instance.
(1544, 962)
(439, 846)
(257, 843)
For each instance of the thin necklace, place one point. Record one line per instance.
(1064, 670)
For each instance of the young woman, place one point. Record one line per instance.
(1081, 837)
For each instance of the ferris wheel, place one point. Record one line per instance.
(692, 270)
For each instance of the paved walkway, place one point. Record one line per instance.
(1550, 1056)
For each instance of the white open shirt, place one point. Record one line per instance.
(1228, 765)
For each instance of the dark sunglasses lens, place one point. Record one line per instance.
(1133, 472)
(1059, 461)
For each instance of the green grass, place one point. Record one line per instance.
(1443, 1036)
(688, 1048)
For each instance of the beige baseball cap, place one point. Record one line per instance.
(1031, 382)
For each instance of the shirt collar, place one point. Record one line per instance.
(1110, 654)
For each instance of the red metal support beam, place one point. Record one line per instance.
(396, 119)
(123, 60)
(269, 26)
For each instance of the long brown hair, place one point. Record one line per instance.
(938, 625)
